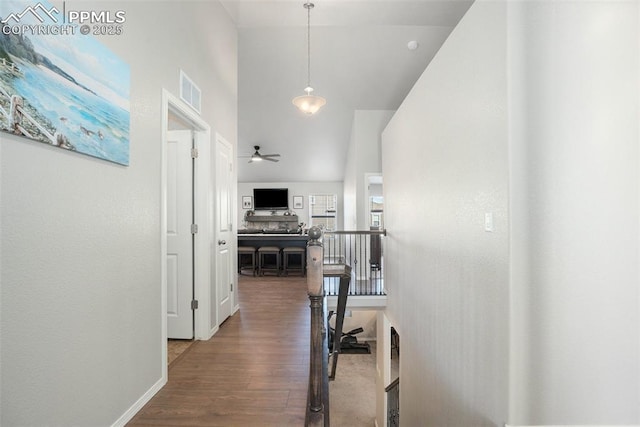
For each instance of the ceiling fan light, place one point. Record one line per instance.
(255, 158)
(309, 104)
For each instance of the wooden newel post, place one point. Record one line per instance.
(314, 263)
(315, 379)
(316, 295)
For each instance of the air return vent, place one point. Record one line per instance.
(189, 92)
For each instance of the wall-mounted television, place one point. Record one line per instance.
(271, 199)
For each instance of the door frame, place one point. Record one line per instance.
(233, 244)
(368, 178)
(203, 191)
(235, 305)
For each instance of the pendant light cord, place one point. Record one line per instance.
(308, 6)
(309, 104)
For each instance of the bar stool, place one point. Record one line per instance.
(250, 251)
(294, 251)
(264, 253)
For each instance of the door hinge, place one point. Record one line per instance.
(194, 228)
(194, 304)
(232, 287)
(194, 153)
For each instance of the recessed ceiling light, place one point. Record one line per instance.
(412, 45)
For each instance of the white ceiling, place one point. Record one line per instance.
(359, 61)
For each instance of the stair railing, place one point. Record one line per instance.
(317, 413)
(363, 251)
(393, 403)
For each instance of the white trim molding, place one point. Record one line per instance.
(202, 251)
(369, 302)
(136, 407)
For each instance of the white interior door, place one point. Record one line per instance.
(224, 229)
(179, 237)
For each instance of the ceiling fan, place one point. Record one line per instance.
(257, 157)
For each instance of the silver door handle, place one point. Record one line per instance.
(222, 242)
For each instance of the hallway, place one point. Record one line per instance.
(254, 371)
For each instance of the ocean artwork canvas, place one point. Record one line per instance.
(60, 85)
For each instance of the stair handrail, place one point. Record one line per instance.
(393, 403)
(382, 232)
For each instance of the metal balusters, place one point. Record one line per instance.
(363, 251)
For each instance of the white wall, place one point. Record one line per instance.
(375, 190)
(295, 189)
(80, 237)
(445, 164)
(350, 187)
(574, 188)
(363, 156)
(556, 284)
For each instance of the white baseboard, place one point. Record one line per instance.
(212, 332)
(131, 412)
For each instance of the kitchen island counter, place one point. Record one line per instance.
(267, 239)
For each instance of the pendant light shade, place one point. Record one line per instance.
(309, 104)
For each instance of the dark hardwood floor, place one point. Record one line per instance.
(253, 372)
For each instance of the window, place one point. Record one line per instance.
(322, 211)
(376, 209)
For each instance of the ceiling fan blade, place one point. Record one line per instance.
(257, 156)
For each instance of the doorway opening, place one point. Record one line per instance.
(186, 192)
(223, 228)
(180, 212)
(374, 201)
(177, 348)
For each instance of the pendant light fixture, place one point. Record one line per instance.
(309, 104)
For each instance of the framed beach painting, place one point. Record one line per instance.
(59, 85)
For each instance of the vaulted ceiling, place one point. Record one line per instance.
(359, 61)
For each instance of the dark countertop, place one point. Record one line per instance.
(261, 232)
(262, 236)
(280, 240)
